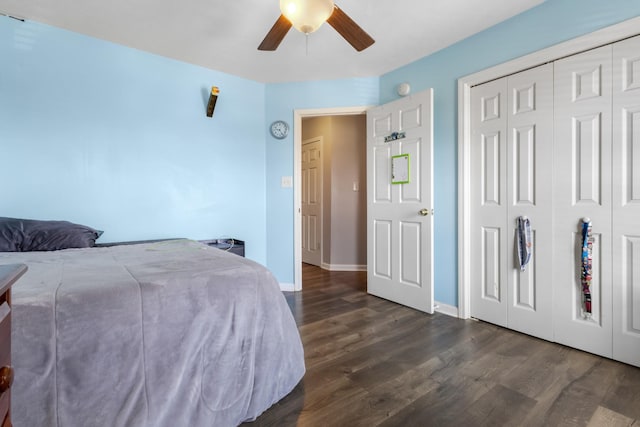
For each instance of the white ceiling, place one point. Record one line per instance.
(224, 35)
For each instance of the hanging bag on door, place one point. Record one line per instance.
(524, 241)
(586, 266)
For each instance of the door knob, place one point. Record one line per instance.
(424, 212)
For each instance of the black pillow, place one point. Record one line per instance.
(25, 235)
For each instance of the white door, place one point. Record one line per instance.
(400, 216)
(582, 189)
(311, 162)
(488, 202)
(626, 201)
(529, 189)
(511, 165)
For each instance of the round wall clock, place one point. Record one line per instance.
(279, 129)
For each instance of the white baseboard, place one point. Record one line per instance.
(343, 267)
(287, 287)
(447, 309)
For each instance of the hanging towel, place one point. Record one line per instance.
(587, 263)
(524, 241)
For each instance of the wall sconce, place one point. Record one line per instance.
(213, 97)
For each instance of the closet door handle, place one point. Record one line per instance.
(423, 212)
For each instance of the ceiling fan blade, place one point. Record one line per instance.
(348, 29)
(275, 35)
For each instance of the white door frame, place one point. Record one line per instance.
(598, 38)
(298, 115)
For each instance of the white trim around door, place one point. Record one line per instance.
(298, 115)
(598, 38)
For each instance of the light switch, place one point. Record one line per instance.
(286, 182)
(356, 186)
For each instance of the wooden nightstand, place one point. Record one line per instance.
(8, 275)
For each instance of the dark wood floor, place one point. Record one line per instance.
(371, 362)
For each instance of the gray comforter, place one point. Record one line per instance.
(163, 334)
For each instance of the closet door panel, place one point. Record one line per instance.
(626, 201)
(489, 202)
(529, 188)
(582, 189)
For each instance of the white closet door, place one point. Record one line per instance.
(582, 188)
(529, 188)
(626, 201)
(512, 141)
(489, 202)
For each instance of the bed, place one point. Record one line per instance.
(172, 333)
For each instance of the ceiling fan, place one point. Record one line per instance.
(307, 16)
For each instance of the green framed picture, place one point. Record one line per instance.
(400, 169)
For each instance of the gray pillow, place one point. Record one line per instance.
(25, 235)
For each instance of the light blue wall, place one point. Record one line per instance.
(552, 22)
(281, 101)
(118, 139)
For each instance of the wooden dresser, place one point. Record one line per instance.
(8, 275)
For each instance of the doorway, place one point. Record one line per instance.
(343, 189)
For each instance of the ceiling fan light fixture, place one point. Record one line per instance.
(306, 16)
